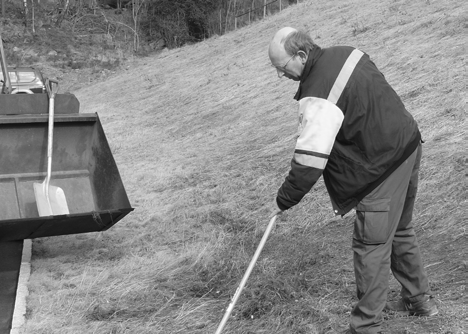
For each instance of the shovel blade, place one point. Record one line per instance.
(52, 205)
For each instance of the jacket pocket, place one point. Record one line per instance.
(371, 225)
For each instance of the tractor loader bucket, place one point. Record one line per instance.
(83, 167)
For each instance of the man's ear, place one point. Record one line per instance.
(303, 56)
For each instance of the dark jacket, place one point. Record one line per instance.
(376, 135)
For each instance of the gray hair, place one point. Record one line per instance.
(298, 41)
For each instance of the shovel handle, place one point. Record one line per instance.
(52, 87)
(246, 275)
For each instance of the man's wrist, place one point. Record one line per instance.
(281, 206)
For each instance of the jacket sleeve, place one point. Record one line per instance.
(319, 123)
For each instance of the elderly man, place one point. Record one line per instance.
(355, 131)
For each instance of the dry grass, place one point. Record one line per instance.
(203, 136)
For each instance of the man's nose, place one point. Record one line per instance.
(280, 73)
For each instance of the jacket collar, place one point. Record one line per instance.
(312, 58)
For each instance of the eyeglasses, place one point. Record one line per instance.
(282, 68)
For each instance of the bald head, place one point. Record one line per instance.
(276, 49)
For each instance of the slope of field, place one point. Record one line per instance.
(203, 136)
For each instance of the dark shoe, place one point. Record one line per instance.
(426, 307)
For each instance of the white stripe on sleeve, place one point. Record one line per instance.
(310, 160)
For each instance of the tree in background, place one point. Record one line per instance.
(149, 24)
(183, 21)
(178, 21)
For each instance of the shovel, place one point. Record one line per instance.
(246, 275)
(50, 200)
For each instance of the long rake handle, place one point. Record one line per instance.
(246, 275)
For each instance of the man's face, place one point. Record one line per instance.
(289, 66)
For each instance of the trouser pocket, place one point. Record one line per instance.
(372, 221)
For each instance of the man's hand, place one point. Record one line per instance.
(275, 210)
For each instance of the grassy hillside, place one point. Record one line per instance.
(203, 136)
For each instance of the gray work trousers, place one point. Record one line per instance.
(384, 239)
